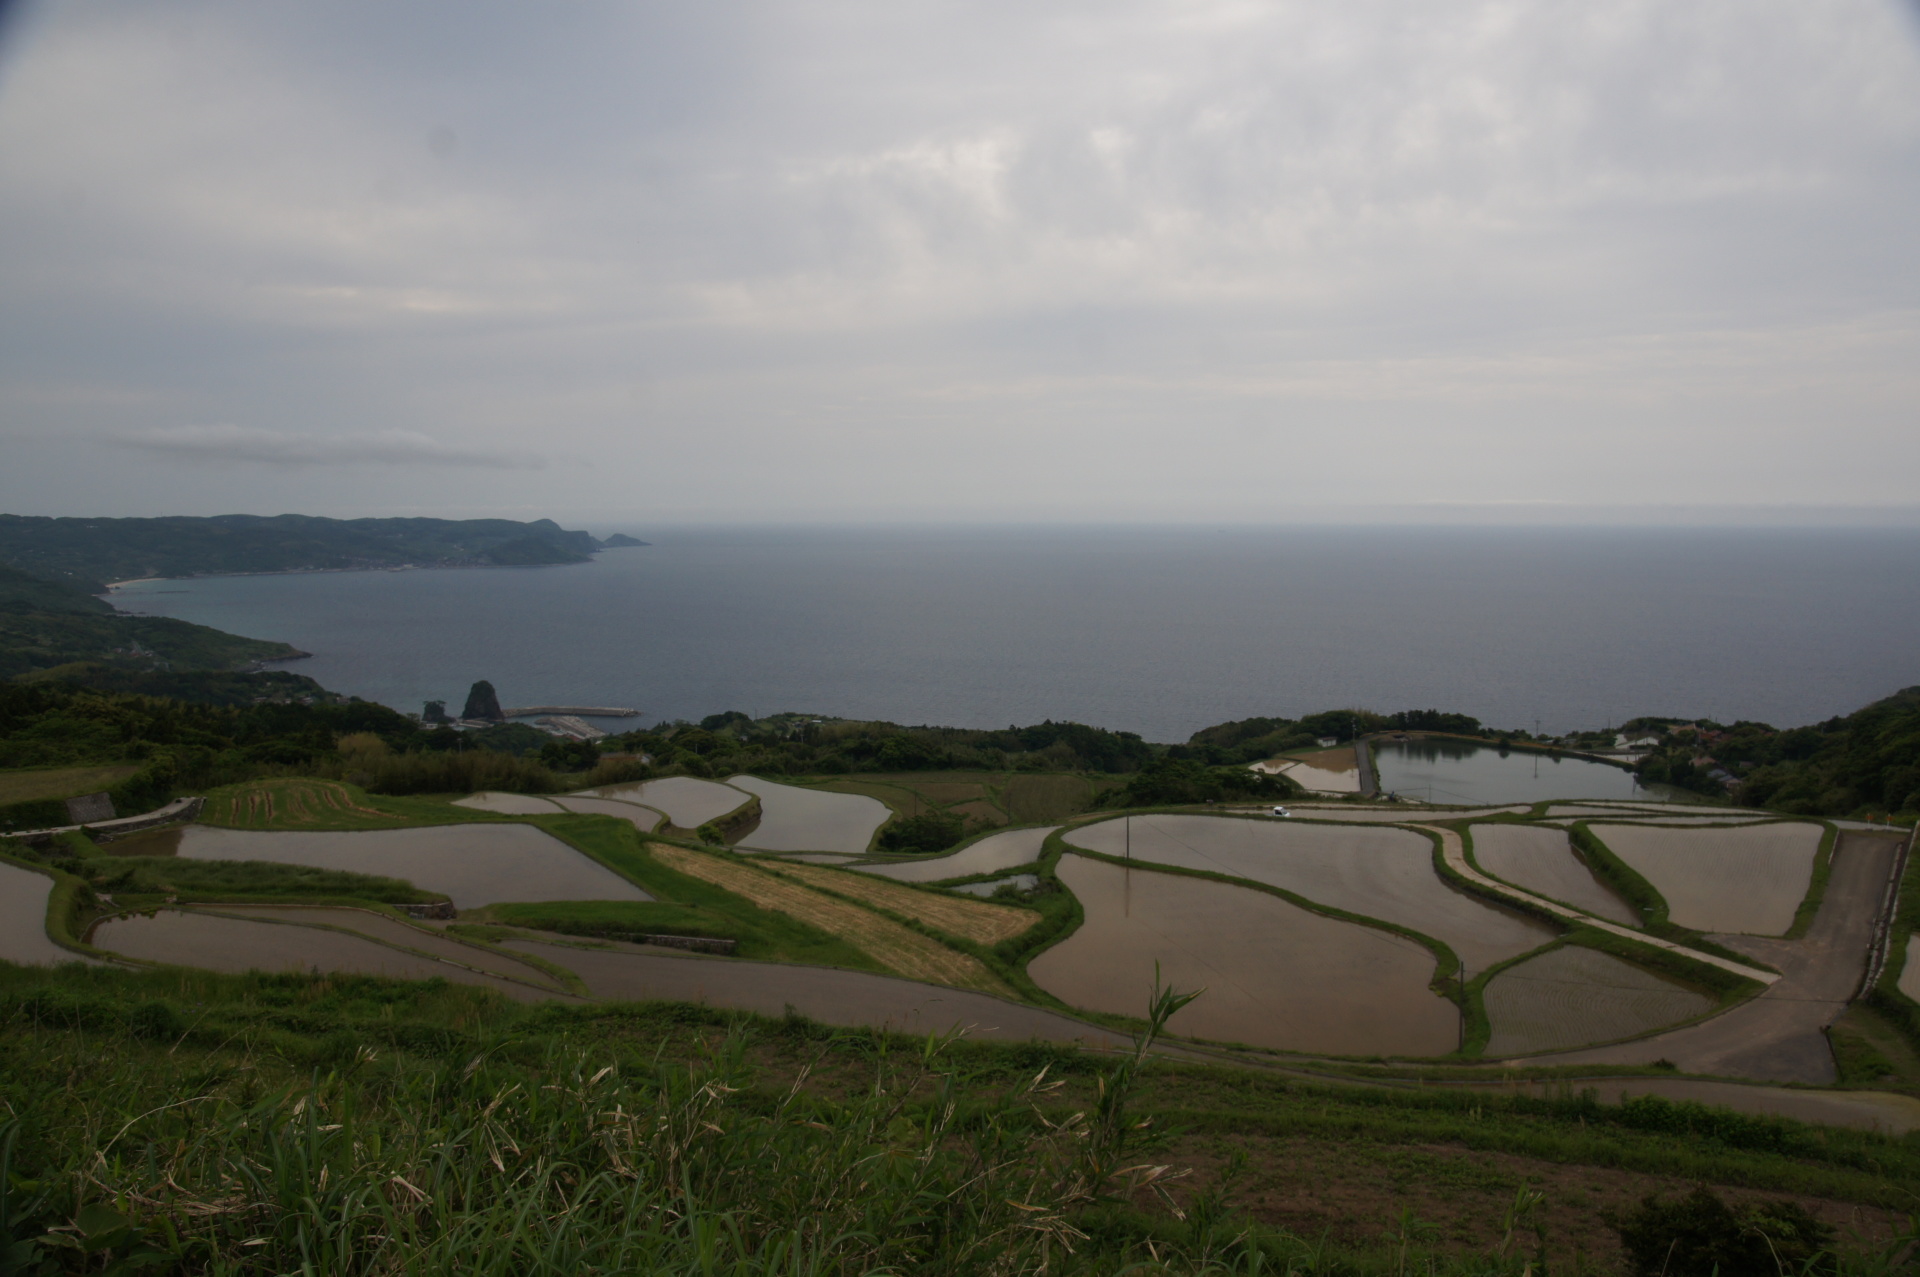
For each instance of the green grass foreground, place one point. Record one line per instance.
(186, 1122)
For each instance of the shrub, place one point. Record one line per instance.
(1701, 1236)
(929, 831)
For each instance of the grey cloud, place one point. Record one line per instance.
(283, 448)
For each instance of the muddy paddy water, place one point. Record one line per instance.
(474, 865)
(990, 854)
(238, 945)
(688, 801)
(1571, 996)
(1379, 873)
(509, 804)
(1542, 861)
(1275, 975)
(797, 819)
(23, 919)
(1747, 879)
(645, 819)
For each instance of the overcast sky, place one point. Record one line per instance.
(840, 260)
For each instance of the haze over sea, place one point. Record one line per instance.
(1155, 630)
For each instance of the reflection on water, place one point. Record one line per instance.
(796, 819)
(1275, 974)
(1449, 771)
(1019, 882)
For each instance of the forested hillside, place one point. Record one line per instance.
(88, 552)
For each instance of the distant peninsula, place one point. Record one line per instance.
(89, 553)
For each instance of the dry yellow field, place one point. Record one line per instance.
(976, 920)
(904, 950)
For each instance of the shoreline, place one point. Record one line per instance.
(397, 567)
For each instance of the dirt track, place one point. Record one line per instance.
(1779, 1036)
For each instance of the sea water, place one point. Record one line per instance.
(1153, 630)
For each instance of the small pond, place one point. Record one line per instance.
(1448, 771)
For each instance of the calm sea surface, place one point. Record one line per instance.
(1158, 631)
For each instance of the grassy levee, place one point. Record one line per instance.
(1641, 896)
(177, 1121)
(1817, 886)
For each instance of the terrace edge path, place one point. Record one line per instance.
(1780, 1036)
(1453, 850)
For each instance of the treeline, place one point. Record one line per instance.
(792, 744)
(1864, 763)
(1249, 740)
(87, 551)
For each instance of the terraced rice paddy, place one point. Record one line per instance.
(897, 947)
(473, 865)
(390, 931)
(1748, 879)
(1275, 975)
(645, 819)
(969, 919)
(688, 801)
(239, 945)
(1542, 861)
(23, 919)
(796, 819)
(34, 784)
(1379, 873)
(509, 804)
(1570, 997)
(994, 852)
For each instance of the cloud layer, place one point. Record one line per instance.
(284, 448)
(1201, 260)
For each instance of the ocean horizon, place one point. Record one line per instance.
(1156, 630)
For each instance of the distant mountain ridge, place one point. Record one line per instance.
(89, 552)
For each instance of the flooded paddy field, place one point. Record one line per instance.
(509, 804)
(796, 819)
(23, 920)
(238, 945)
(389, 931)
(827, 994)
(473, 865)
(645, 819)
(1275, 975)
(1572, 996)
(1747, 879)
(1541, 860)
(994, 852)
(1380, 873)
(688, 801)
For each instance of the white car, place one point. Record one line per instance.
(1281, 811)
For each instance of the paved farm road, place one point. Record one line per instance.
(1778, 1036)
